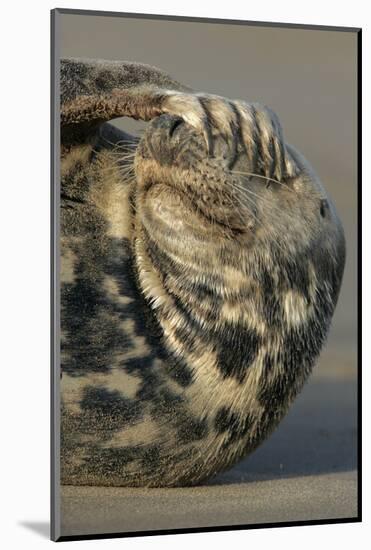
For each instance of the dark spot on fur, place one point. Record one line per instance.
(237, 426)
(296, 274)
(110, 463)
(151, 457)
(268, 365)
(266, 282)
(221, 422)
(192, 429)
(92, 330)
(300, 348)
(137, 365)
(272, 308)
(166, 404)
(92, 321)
(178, 370)
(110, 408)
(237, 348)
(148, 387)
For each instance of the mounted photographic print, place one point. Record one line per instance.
(204, 200)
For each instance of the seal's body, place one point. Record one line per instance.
(201, 265)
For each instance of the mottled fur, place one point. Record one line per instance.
(201, 265)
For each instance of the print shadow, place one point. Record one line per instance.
(42, 528)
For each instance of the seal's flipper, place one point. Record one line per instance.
(96, 91)
(143, 103)
(95, 77)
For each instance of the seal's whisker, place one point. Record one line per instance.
(118, 166)
(273, 212)
(123, 163)
(261, 199)
(121, 152)
(128, 175)
(245, 192)
(127, 159)
(127, 142)
(253, 175)
(240, 201)
(123, 171)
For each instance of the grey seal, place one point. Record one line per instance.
(201, 265)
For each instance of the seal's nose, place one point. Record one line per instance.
(159, 137)
(168, 123)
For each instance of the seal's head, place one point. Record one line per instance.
(243, 269)
(225, 210)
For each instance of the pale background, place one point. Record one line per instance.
(25, 480)
(309, 78)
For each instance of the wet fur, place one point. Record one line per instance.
(195, 299)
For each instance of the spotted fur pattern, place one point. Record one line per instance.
(201, 265)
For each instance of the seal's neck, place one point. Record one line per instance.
(209, 311)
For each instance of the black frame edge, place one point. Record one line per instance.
(305, 523)
(359, 268)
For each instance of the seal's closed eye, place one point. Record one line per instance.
(324, 208)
